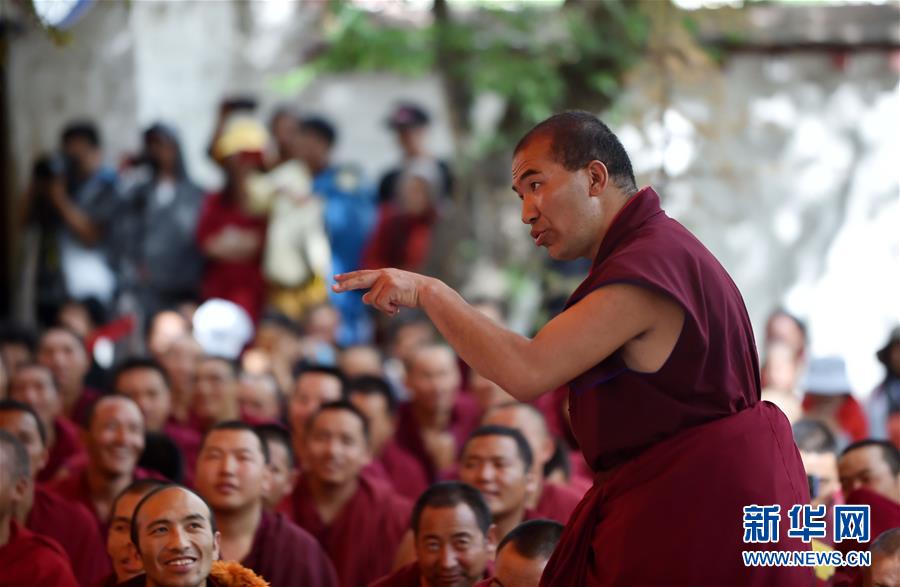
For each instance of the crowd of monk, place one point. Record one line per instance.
(335, 481)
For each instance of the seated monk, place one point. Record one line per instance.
(361, 360)
(26, 558)
(63, 352)
(259, 398)
(175, 534)
(145, 381)
(550, 500)
(282, 464)
(374, 398)
(523, 554)
(115, 441)
(46, 513)
(885, 568)
(34, 385)
(437, 420)
(358, 520)
(313, 386)
(215, 393)
(454, 539)
(180, 360)
(125, 560)
(232, 476)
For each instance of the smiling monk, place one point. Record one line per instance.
(658, 352)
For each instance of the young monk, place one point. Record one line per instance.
(523, 554)
(125, 560)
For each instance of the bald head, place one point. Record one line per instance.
(433, 379)
(524, 552)
(531, 423)
(885, 568)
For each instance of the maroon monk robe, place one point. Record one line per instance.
(82, 406)
(66, 446)
(188, 441)
(679, 452)
(464, 419)
(399, 468)
(284, 555)
(556, 503)
(363, 539)
(74, 487)
(32, 560)
(409, 576)
(884, 514)
(73, 527)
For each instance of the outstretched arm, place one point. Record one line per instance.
(570, 344)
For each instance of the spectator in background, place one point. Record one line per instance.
(230, 238)
(125, 560)
(884, 403)
(315, 385)
(18, 345)
(319, 343)
(523, 553)
(180, 360)
(215, 392)
(64, 353)
(283, 126)
(829, 398)
(33, 385)
(349, 217)
(361, 360)
(818, 450)
(784, 327)
(885, 568)
(282, 463)
(259, 398)
(277, 338)
(402, 238)
(159, 263)
(410, 123)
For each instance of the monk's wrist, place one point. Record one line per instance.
(428, 291)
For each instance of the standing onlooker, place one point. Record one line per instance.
(828, 397)
(884, 403)
(159, 260)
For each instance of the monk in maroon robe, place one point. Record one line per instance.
(145, 381)
(657, 349)
(115, 441)
(283, 469)
(313, 387)
(438, 418)
(63, 352)
(523, 554)
(232, 476)
(391, 463)
(215, 397)
(34, 385)
(358, 520)
(549, 500)
(26, 558)
(46, 513)
(454, 539)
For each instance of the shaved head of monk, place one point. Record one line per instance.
(524, 552)
(432, 376)
(125, 559)
(453, 534)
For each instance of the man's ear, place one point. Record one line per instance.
(217, 542)
(20, 489)
(598, 176)
(491, 538)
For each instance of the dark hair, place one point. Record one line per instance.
(800, 324)
(133, 363)
(39, 367)
(373, 385)
(341, 405)
(233, 365)
(277, 433)
(889, 452)
(13, 333)
(814, 436)
(92, 408)
(243, 426)
(160, 489)
(21, 465)
(559, 461)
(163, 456)
(283, 110)
(534, 539)
(82, 129)
(94, 308)
(11, 405)
(302, 368)
(65, 329)
(320, 127)
(887, 543)
(451, 494)
(577, 138)
(492, 430)
(517, 405)
(136, 487)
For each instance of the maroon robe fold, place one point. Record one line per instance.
(66, 446)
(464, 419)
(32, 560)
(285, 555)
(75, 488)
(556, 503)
(363, 539)
(399, 468)
(188, 441)
(680, 451)
(82, 406)
(409, 576)
(74, 528)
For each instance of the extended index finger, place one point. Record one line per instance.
(363, 279)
